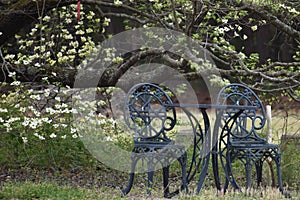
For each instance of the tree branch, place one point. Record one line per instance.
(117, 73)
(124, 15)
(22, 13)
(272, 19)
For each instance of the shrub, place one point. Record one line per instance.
(291, 163)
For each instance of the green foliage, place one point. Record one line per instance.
(37, 122)
(56, 45)
(28, 191)
(41, 128)
(37, 134)
(290, 163)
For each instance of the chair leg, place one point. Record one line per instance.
(150, 182)
(150, 175)
(166, 181)
(229, 175)
(227, 180)
(259, 167)
(203, 173)
(278, 166)
(131, 178)
(129, 186)
(216, 168)
(182, 160)
(248, 167)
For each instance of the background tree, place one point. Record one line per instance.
(236, 33)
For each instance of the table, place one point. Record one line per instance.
(204, 143)
(150, 112)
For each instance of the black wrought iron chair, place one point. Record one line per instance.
(240, 139)
(150, 119)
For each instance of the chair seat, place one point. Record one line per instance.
(159, 148)
(154, 142)
(253, 145)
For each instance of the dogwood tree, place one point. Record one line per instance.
(252, 42)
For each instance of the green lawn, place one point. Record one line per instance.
(47, 191)
(50, 179)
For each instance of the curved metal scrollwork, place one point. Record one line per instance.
(239, 140)
(251, 120)
(201, 148)
(147, 114)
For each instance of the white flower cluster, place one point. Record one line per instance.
(60, 45)
(36, 114)
(118, 2)
(17, 115)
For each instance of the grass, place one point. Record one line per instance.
(29, 190)
(109, 181)
(48, 191)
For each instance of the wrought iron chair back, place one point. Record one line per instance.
(246, 127)
(147, 114)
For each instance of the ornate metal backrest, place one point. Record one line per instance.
(146, 113)
(250, 121)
